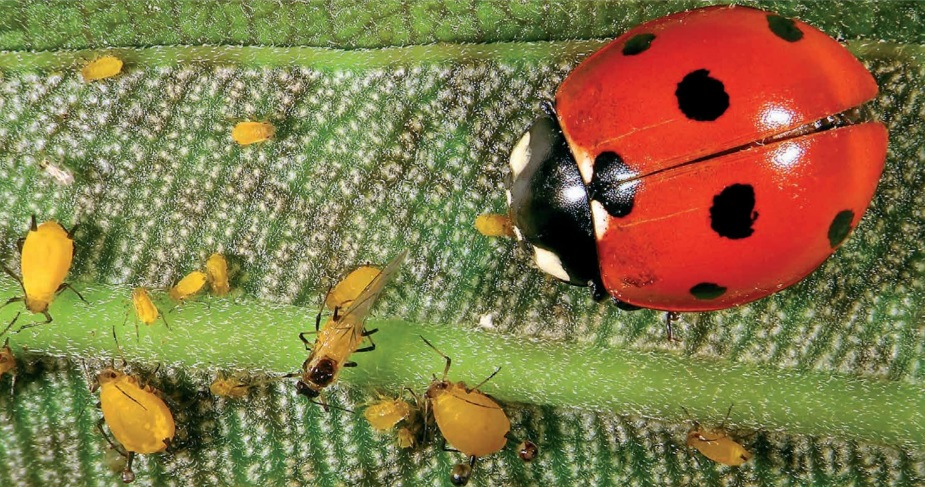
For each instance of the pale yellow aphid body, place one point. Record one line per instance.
(47, 254)
(101, 68)
(145, 309)
(494, 225)
(217, 274)
(471, 422)
(191, 284)
(229, 386)
(246, 133)
(383, 415)
(137, 417)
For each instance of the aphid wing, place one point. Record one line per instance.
(358, 311)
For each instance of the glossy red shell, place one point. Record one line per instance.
(664, 253)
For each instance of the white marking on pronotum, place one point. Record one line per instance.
(549, 263)
(520, 155)
(600, 218)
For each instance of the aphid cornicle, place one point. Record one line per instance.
(191, 284)
(101, 68)
(47, 253)
(470, 421)
(139, 420)
(247, 133)
(217, 274)
(716, 444)
(341, 335)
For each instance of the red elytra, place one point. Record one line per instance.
(719, 154)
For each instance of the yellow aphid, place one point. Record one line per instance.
(405, 437)
(101, 68)
(7, 360)
(217, 274)
(145, 309)
(191, 284)
(47, 252)
(470, 421)
(385, 414)
(247, 133)
(229, 386)
(350, 287)
(341, 335)
(139, 420)
(494, 225)
(716, 445)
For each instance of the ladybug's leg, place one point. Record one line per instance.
(671, 317)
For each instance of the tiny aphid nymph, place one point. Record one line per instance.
(145, 309)
(47, 253)
(247, 133)
(217, 274)
(494, 225)
(189, 286)
(229, 386)
(399, 414)
(101, 68)
(717, 445)
(341, 335)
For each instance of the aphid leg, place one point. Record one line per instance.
(367, 333)
(14, 276)
(446, 448)
(128, 476)
(308, 345)
(136, 325)
(13, 300)
(9, 326)
(65, 285)
(117, 448)
(446, 370)
(163, 317)
(36, 323)
(372, 346)
(350, 364)
(72, 231)
(484, 381)
(671, 317)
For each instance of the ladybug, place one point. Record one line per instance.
(700, 161)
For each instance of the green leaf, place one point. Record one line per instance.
(394, 148)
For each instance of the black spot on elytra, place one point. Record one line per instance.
(707, 290)
(840, 227)
(733, 211)
(784, 28)
(609, 185)
(637, 44)
(701, 97)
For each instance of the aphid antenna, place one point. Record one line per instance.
(728, 412)
(690, 418)
(446, 369)
(480, 384)
(119, 347)
(326, 406)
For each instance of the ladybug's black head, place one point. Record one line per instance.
(549, 205)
